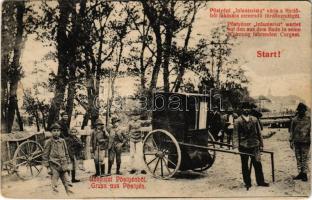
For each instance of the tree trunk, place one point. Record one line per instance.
(182, 61)
(62, 48)
(11, 112)
(19, 118)
(151, 14)
(167, 55)
(12, 105)
(43, 120)
(37, 120)
(4, 93)
(71, 92)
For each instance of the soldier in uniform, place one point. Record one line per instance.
(99, 144)
(248, 139)
(300, 140)
(117, 139)
(75, 146)
(64, 125)
(56, 157)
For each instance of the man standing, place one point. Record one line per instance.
(74, 146)
(229, 125)
(117, 139)
(136, 146)
(300, 140)
(214, 122)
(247, 136)
(64, 125)
(99, 144)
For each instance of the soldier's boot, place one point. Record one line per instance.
(304, 177)
(109, 168)
(118, 169)
(102, 170)
(73, 175)
(299, 176)
(97, 169)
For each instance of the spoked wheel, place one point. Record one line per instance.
(212, 155)
(161, 154)
(27, 160)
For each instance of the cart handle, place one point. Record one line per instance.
(234, 152)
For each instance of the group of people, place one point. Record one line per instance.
(63, 150)
(244, 131)
(222, 124)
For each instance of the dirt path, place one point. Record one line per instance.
(223, 179)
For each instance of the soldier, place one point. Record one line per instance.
(64, 125)
(248, 139)
(300, 140)
(56, 157)
(99, 144)
(75, 146)
(117, 139)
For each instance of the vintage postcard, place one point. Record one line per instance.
(155, 99)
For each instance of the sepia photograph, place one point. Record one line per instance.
(155, 99)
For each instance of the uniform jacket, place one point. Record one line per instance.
(56, 152)
(64, 128)
(117, 138)
(99, 138)
(300, 129)
(247, 133)
(74, 145)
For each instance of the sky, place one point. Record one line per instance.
(288, 75)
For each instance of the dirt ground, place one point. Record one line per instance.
(223, 179)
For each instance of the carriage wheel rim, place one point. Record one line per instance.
(159, 158)
(31, 162)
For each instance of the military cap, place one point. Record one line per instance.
(55, 126)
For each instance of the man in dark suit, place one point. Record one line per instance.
(248, 139)
(214, 122)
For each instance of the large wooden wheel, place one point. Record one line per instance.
(161, 154)
(212, 154)
(27, 160)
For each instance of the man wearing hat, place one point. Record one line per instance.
(248, 139)
(56, 157)
(300, 140)
(117, 139)
(99, 144)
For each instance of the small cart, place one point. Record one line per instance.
(21, 153)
